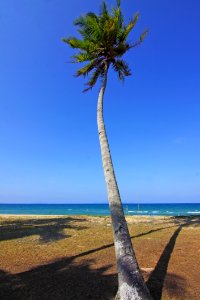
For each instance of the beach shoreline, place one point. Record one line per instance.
(84, 215)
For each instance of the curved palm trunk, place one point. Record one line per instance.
(130, 280)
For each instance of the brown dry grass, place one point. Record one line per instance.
(73, 257)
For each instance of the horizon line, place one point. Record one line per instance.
(86, 203)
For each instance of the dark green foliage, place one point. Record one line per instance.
(103, 43)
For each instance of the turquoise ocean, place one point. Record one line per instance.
(175, 209)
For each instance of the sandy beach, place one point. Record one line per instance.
(72, 257)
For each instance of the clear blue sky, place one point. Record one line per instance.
(49, 149)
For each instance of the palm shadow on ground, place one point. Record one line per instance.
(63, 279)
(67, 279)
(48, 229)
(159, 276)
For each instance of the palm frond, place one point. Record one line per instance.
(76, 43)
(86, 69)
(104, 11)
(80, 21)
(143, 35)
(82, 57)
(122, 68)
(129, 27)
(138, 42)
(93, 79)
(89, 26)
(121, 49)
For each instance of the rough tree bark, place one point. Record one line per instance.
(131, 285)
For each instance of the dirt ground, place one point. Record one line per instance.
(73, 257)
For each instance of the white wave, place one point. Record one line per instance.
(139, 211)
(193, 212)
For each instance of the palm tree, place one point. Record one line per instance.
(103, 43)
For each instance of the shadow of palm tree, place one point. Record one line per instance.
(187, 221)
(112, 244)
(63, 279)
(157, 278)
(49, 229)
